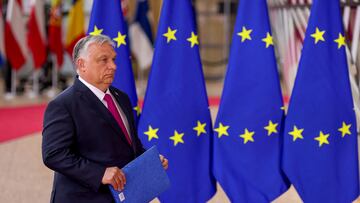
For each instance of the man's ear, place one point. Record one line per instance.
(80, 64)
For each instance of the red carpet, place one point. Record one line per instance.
(16, 122)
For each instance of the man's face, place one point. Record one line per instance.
(98, 67)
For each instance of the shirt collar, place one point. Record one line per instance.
(98, 93)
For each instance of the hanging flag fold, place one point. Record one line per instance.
(320, 139)
(248, 127)
(15, 35)
(55, 32)
(75, 25)
(176, 114)
(36, 36)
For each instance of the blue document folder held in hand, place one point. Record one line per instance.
(146, 179)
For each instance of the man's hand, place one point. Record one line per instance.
(164, 162)
(115, 177)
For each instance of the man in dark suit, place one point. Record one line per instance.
(89, 132)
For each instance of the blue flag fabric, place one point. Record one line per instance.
(2, 61)
(249, 123)
(176, 114)
(320, 139)
(107, 19)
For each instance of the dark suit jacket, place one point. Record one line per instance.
(80, 139)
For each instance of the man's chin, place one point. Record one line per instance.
(109, 82)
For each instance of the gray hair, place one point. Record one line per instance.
(82, 45)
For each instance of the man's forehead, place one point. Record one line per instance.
(101, 49)
(100, 46)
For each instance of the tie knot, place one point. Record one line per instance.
(108, 98)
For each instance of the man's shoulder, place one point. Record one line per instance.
(66, 95)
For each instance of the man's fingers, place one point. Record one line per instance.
(120, 179)
(161, 158)
(115, 177)
(122, 176)
(165, 163)
(117, 183)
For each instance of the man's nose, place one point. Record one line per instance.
(112, 65)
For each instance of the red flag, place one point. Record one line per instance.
(54, 31)
(15, 35)
(36, 33)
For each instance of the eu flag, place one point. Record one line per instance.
(107, 19)
(249, 123)
(176, 115)
(320, 139)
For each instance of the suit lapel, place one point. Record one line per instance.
(94, 104)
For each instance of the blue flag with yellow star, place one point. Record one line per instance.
(107, 19)
(249, 123)
(176, 114)
(320, 139)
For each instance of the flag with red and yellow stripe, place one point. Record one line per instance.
(75, 26)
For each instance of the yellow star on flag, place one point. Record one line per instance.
(318, 35)
(170, 35)
(345, 129)
(296, 133)
(222, 130)
(322, 139)
(340, 41)
(268, 40)
(96, 31)
(177, 137)
(137, 109)
(271, 128)
(120, 39)
(247, 136)
(152, 133)
(200, 128)
(245, 34)
(193, 39)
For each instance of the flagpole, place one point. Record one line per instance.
(35, 92)
(13, 84)
(54, 77)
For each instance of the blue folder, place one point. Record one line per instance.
(146, 179)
